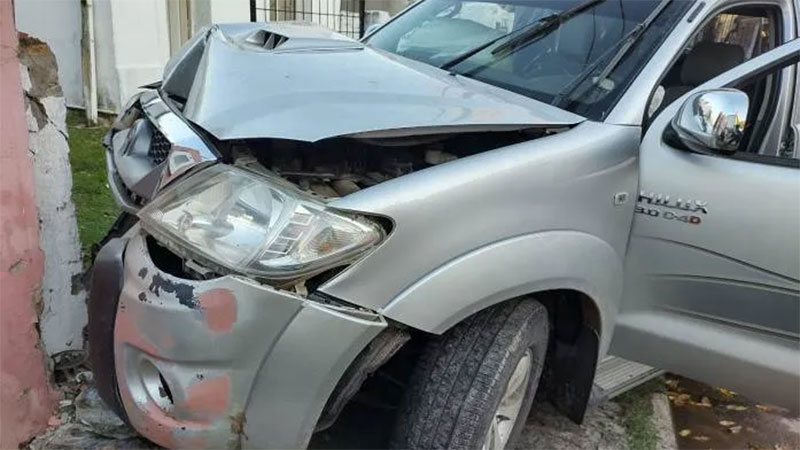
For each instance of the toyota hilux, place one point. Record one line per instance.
(474, 205)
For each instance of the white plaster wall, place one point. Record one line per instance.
(58, 23)
(226, 11)
(205, 12)
(141, 43)
(108, 96)
(64, 302)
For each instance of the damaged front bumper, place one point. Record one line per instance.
(226, 362)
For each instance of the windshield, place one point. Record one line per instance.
(555, 66)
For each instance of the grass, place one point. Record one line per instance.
(637, 415)
(95, 206)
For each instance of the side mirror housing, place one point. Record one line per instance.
(712, 121)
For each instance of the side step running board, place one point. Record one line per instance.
(616, 375)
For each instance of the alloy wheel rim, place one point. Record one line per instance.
(507, 412)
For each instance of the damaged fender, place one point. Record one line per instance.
(503, 270)
(512, 229)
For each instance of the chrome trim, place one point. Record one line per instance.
(188, 148)
(117, 186)
(140, 174)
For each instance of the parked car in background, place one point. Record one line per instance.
(483, 198)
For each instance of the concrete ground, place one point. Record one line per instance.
(363, 426)
(709, 417)
(602, 429)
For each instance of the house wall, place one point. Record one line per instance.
(131, 40)
(59, 24)
(26, 401)
(140, 38)
(63, 298)
(226, 11)
(108, 96)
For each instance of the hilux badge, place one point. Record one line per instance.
(650, 204)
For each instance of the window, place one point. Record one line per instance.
(729, 39)
(773, 120)
(560, 66)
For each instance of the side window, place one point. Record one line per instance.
(765, 117)
(727, 40)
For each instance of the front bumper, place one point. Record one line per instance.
(218, 363)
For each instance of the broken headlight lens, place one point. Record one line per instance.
(256, 225)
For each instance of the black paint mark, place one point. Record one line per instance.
(184, 292)
(142, 297)
(143, 272)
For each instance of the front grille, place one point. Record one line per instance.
(159, 147)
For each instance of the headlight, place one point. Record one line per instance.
(256, 225)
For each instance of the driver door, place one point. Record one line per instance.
(712, 288)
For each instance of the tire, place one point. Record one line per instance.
(461, 377)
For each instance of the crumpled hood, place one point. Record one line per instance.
(304, 82)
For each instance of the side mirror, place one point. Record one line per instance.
(712, 121)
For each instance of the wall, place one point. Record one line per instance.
(131, 40)
(59, 24)
(226, 11)
(204, 12)
(141, 43)
(25, 398)
(108, 97)
(63, 315)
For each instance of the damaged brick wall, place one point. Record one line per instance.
(25, 397)
(62, 314)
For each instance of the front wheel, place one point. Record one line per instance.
(473, 386)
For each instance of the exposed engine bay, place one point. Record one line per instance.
(338, 167)
(152, 146)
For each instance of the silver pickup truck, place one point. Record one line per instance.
(472, 206)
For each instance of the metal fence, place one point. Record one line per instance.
(343, 16)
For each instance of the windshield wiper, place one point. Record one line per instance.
(543, 27)
(526, 34)
(624, 46)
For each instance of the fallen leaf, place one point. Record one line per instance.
(764, 408)
(702, 405)
(701, 438)
(672, 383)
(735, 430)
(726, 392)
(736, 407)
(685, 432)
(682, 399)
(727, 423)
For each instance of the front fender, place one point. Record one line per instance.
(557, 259)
